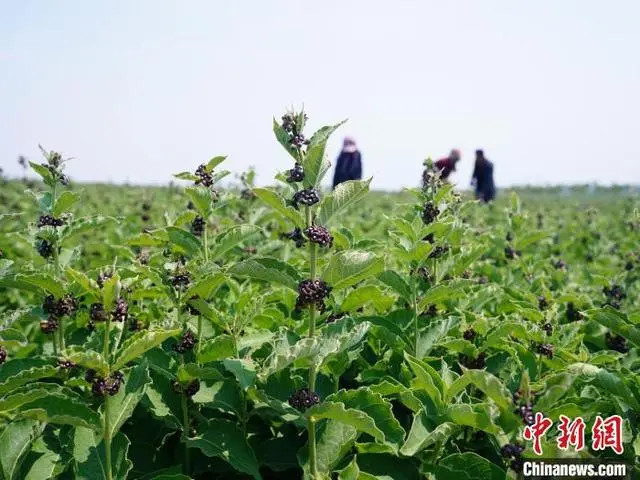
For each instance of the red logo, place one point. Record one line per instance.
(608, 433)
(536, 431)
(571, 433)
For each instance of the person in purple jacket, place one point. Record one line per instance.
(349, 163)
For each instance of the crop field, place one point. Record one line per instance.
(289, 332)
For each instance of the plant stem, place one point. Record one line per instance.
(105, 347)
(416, 335)
(205, 243)
(107, 437)
(185, 419)
(311, 427)
(199, 334)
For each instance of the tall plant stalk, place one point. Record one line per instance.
(311, 427)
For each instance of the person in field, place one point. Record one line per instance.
(349, 163)
(482, 178)
(445, 166)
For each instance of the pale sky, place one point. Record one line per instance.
(136, 90)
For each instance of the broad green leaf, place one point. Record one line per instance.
(139, 343)
(439, 294)
(15, 442)
(192, 371)
(23, 376)
(232, 238)
(89, 359)
(468, 466)
(162, 401)
(421, 436)
(350, 267)
(285, 353)
(351, 471)
(396, 282)
(12, 338)
(215, 161)
(530, 239)
(283, 138)
(486, 382)
(615, 321)
(90, 460)
(82, 280)
(219, 348)
(46, 282)
(225, 440)
(61, 409)
(111, 291)
(315, 166)
(48, 465)
(377, 408)
(64, 202)
(275, 201)
(122, 404)
(186, 176)
(427, 379)
(268, 270)
(349, 416)
(30, 393)
(186, 241)
(345, 195)
(390, 326)
(43, 171)
(243, 370)
(476, 416)
(202, 199)
(204, 287)
(361, 296)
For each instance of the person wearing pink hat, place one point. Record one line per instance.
(349, 163)
(445, 166)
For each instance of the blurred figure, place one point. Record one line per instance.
(349, 164)
(482, 178)
(446, 165)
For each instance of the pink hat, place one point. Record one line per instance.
(349, 144)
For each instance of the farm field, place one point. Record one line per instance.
(289, 332)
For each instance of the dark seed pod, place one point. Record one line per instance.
(180, 280)
(439, 251)
(543, 303)
(320, 235)
(66, 364)
(103, 277)
(545, 349)
(49, 221)
(49, 325)
(45, 249)
(572, 313)
(429, 213)
(135, 325)
(296, 236)
(296, 174)
(469, 334)
(547, 327)
(187, 342)
(121, 310)
(335, 316)
(304, 399)
(204, 177)
(198, 226)
(560, 265)
(429, 238)
(192, 388)
(3, 355)
(510, 253)
(477, 363)
(67, 305)
(312, 292)
(146, 206)
(306, 197)
(616, 342)
(97, 313)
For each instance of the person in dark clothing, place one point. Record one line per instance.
(482, 178)
(349, 163)
(445, 166)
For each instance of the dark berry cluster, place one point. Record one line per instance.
(104, 385)
(180, 280)
(438, 251)
(431, 311)
(511, 253)
(303, 399)
(120, 311)
(526, 413)
(616, 342)
(67, 305)
(188, 390)
(615, 294)
(469, 334)
(548, 328)
(312, 292)
(545, 349)
(65, 364)
(306, 197)
(54, 165)
(296, 236)
(293, 129)
(103, 277)
(483, 280)
(49, 221)
(197, 226)
(296, 174)
(187, 342)
(97, 313)
(135, 325)
(514, 452)
(474, 363)
(429, 213)
(572, 313)
(543, 303)
(144, 256)
(320, 235)
(49, 325)
(3, 355)
(248, 194)
(560, 264)
(509, 237)
(429, 238)
(335, 316)
(45, 248)
(204, 177)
